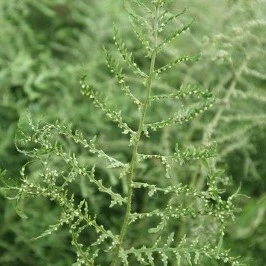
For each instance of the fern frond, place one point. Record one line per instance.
(176, 61)
(190, 90)
(194, 154)
(139, 32)
(103, 199)
(116, 198)
(142, 5)
(115, 116)
(49, 176)
(180, 118)
(174, 35)
(168, 18)
(126, 55)
(183, 252)
(115, 68)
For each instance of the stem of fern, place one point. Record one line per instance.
(136, 143)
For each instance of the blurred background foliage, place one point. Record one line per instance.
(45, 48)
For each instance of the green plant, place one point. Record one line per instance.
(164, 217)
(232, 64)
(41, 58)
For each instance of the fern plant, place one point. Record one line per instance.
(146, 214)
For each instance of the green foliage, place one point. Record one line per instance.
(236, 56)
(57, 170)
(179, 97)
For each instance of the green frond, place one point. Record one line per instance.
(138, 20)
(174, 35)
(139, 199)
(142, 5)
(140, 33)
(194, 154)
(189, 90)
(115, 116)
(115, 68)
(126, 55)
(116, 198)
(166, 18)
(184, 252)
(176, 61)
(180, 118)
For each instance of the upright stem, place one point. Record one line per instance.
(136, 142)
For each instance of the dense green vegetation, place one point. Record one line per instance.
(176, 140)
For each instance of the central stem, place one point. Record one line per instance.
(136, 141)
